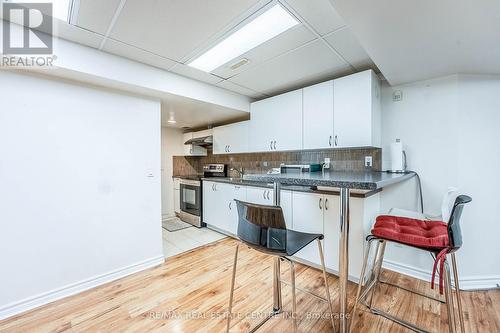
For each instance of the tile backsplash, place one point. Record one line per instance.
(340, 159)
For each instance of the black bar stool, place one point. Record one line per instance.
(436, 237)
(263, 229)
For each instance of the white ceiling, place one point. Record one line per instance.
(193, 113)
(416, 40)
(168, 34)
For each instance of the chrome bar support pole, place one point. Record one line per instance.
(276, 267)
(344, 258)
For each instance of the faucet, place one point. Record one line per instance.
(240, 171)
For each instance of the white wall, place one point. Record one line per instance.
(80, 188)
(449, 128)
(172, 144)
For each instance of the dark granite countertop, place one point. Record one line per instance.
(296, 188)
(364, 180)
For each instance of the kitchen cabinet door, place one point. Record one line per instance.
(177, 201)
(331, 223)
(231, 138)
(265, 196)
(318, 116)
(276, 123)
(362, 213)
(260, 195)
(210, 205)
(239, 193)
(177, 195)
(308, 217)
(357, 110)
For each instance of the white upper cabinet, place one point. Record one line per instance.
(318, 116)
(231, 138)
(356, 105)
(276, 123)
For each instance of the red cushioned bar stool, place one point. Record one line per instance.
(436, 237)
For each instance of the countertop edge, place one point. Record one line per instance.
(295, 188)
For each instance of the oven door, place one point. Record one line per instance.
(190, 197)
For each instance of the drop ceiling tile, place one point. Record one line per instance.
(78, 35)
(311, 63)
(177, 28)
(96, 15)
(320, 14)
(136, 54)
(194, 73)
(348, 46)
(289, 40)
(226, 84)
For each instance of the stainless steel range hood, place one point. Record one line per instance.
(204, 141)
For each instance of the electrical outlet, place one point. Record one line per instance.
(326, 163)
(368, 161)
(264, 164)
(397, 96)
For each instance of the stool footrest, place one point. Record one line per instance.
(414, 291)
(305, 291)
(398, 320)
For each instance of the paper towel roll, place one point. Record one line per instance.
(397, 156)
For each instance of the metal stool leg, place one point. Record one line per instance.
(457, 290)
(361, 279)
(232, 288)
(327, 289)
(294, 299)
(449, 298)
(379, 259)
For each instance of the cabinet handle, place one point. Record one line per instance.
(230, 202)
(264, 195)
(228, 148)
(326, 204)
(213, 188)
(336, 140)
(330, 141)
(274, 144)
(271, 145)
(268, 194)
(320, 201)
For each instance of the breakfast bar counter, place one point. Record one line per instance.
(345, 181)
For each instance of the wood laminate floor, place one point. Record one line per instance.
(189, 293)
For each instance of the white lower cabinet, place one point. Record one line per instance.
(362, 214)
(264, 196)
(219, 208)
(308, 213)
(239, 193)
(177, 196)
(317, 213)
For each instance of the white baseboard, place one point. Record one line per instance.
(75, 288)
(466, 283)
